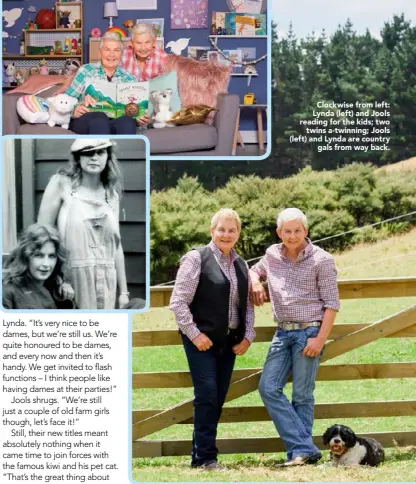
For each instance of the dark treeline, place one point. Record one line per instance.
(346, 67)
(335, 202)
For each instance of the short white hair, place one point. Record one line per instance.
(139, 29)
(225, 213)
(113, 37)
(289, 214)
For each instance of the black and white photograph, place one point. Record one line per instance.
(74, 223)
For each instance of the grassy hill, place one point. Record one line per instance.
(405, 165)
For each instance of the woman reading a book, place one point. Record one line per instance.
(83, 201)
(108, 70)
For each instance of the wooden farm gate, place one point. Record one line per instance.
(345, 337)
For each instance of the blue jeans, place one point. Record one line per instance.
(100, 123)
(211, 372)
(293, 421)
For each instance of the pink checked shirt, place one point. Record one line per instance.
(187, 281)
(299, 291)
(154, 64)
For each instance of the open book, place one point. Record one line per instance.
(116, 100)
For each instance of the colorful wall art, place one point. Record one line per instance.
(189, 14)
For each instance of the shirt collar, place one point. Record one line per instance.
(302, 254)
(220, 256)
(101, 71)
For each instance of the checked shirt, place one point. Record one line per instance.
(299, 291)
(154, 64)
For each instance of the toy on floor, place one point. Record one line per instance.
(161, 108)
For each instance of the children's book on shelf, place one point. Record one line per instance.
(230, 22)
(120, 99)
(245, 25)
(247, 53)
(235, 58)
(218, 23)
(260, 24)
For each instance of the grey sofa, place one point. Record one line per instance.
(192, 140)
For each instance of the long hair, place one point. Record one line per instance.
(110, 177)
(16, 269)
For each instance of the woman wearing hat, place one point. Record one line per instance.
(83, 201)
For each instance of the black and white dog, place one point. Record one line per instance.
(347, 449)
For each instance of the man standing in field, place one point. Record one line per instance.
(304, 296)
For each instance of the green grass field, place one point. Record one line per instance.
(395, 257)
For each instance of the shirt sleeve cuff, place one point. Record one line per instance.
(190, 330)
(250, 335)
(332, 305)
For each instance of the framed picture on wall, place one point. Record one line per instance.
(137, 4)
(188, 14)
(159, 24)
(198, 52)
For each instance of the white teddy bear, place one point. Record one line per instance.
(161, 108)
(60, 109)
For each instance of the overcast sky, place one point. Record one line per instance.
(309, 15)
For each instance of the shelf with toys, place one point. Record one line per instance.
(52, 44)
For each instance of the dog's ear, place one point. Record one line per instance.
(349, 437)
(327, 436)
(169, 91)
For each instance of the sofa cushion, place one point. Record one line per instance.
(199, 82)
(166, 81)
(38, 83)
(194, 137)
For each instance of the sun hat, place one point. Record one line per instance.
(84, 144)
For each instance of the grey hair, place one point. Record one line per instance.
(289, 214)
(226, 213)
(113, 37)
(143, 29)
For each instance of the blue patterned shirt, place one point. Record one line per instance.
(89, 73)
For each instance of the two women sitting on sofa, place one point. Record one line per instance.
(139, 62)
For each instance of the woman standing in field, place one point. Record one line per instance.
(34, 271)
(216, 322)
(83, 201)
